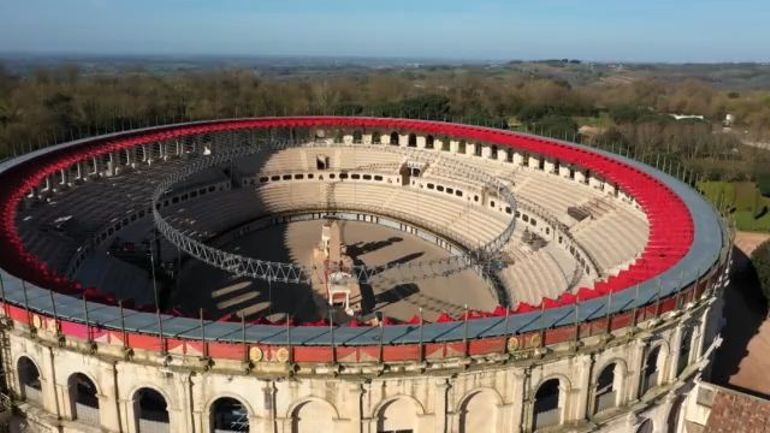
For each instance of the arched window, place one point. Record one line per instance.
(229, 415)
(398, 416)
(29, 380)
(645, 427)
(429, 140)
(312, 417)
(357, 136)
(650, 373)
(605, 395)
(376, 137)
(684, 350)
(151, 411)
(546, 411)
(394, 138)
(412, 140)
(479, 413)
(84, 399)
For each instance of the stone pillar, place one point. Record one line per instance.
(442, 424)
(52, 400)
(564, 171)
(518, 159)
(109, 401)
(347, 139)
(549, 167)
(79, 170)
(266, 412)
(486, 151)
(470, 149)
(676, 344)
(502, 155)
(521, 402)
(580, 176)
(366, 139)
(534, 162)
(403, 140)
(635, 367)
(454, 146)
(581, 389)
(421, 142)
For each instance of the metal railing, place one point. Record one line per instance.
(294, 273)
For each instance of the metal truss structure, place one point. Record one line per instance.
(479, 258)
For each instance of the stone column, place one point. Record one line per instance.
(51, 390)
(549, 167)
(197, 400)
(534, 162)
(582, 387)
(502, 154)
(454, 146)
(486, 151)
(635, 366)
(676, 344)
(521, 401)
(442, 413)
(109, 401)
(266, 412)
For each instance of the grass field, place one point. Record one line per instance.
(744, 201)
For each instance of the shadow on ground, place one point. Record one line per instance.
(745, 309)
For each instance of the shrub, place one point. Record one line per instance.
(761, 260)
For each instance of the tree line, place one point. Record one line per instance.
(56, 104)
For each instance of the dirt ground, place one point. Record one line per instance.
(399, 294)
(743, 361)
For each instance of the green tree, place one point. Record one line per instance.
(760, 258)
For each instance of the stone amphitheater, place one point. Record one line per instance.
(157, 280)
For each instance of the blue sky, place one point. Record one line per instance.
(604, 30)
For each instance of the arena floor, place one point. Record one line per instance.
(397, 293)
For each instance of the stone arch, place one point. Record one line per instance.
(312, 415)
(549, 400)
(646, 426)
(685, 349)
(607, 386)
(393, 414)
(652, 366)
(30, 379)
(412, 140)
(151, 409)
(84, 398)
(358, 136)
(394, 138)
(227, 413)
(478, 410)
(429, 141)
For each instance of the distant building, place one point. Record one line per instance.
(687, 116)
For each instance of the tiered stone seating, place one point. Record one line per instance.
(614, 239)
(539, 274)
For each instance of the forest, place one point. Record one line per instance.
(54, 104)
